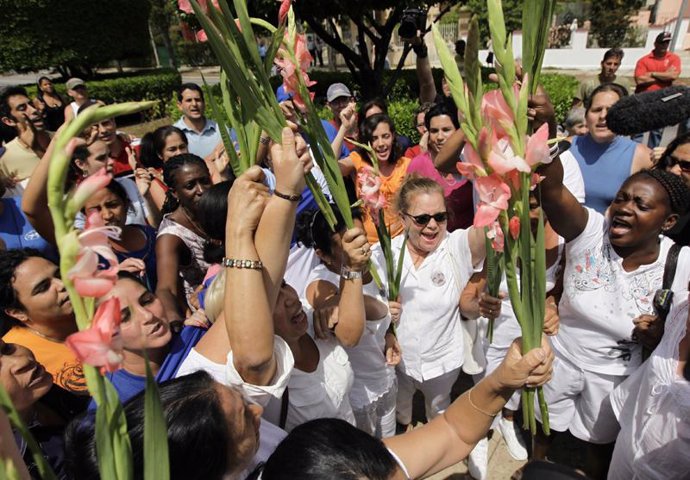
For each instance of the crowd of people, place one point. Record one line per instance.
(277, 354)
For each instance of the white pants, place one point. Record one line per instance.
(436, 394)
(579, 401)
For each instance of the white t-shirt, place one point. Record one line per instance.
(373, 377)
(600, 300)
(572, 176)
(429, 330)
(322, 393)
(653, 409)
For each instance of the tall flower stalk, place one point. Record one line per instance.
(95, 344)
(249, 103)
(501, 158)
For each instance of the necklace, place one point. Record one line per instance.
(199, 230)
(42, 335)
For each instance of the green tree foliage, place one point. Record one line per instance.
(371, 29)
(611, 20)
(512, 11)
(73, 36)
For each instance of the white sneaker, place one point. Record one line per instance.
(478, 461)
(513, 440)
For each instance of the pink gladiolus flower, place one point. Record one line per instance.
(535, 180)
(493, 196)
(91, 184)
(100, 345)
(537, 150)
(186, 5)
(497, 112)
(514, 227)
(502, 159)
(495, 234)
(90, 280)
(283, 11)
(289, 71)
(472, 167)
(370, 191)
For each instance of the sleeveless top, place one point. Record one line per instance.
(604, 168)
(53, 116)
(193, 273)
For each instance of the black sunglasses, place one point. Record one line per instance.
(425, 218)
(672, 161)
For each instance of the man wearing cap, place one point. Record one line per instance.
(659, 68)
(338, 98)
(23, 153)
(76, 88)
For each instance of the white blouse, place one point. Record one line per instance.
(653, 409)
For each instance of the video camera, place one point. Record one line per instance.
(413, 19)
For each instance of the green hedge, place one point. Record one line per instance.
(159, 86)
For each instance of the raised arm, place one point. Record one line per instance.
(449, 155)
(450, 437)
(349, 298)
(348, 121)
(291, 161)
(641, 159)
(248, 313)
(35, 197)
(566, 215)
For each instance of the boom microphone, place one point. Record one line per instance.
(649, 111)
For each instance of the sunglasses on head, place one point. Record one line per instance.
(425, 218)
(683, 164)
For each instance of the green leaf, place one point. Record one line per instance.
(156, 461)
(18, 424)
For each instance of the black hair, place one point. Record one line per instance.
(312, 229)
(198, 433)
(665, 160)
(366, 132)
(674, 186)
(374, 102)
(442, 108)
(620, 90)
(460, 46)
(5, 109)
(10, 260)
(213, 210)
(189, 86)
(153, 144)
(170, 169)
(329, 448)
(423, 108)
(614, 52)
(41, 78)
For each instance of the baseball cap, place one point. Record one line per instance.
(663, 37)
(337, 90)
(75, 82)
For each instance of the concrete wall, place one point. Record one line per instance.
(578, 56)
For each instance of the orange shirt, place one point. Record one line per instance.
(55, 356)
(389, 186)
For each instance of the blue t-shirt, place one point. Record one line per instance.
(17, 232)
(129, 385)
(147, 253)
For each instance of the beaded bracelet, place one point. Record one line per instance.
(236, 263)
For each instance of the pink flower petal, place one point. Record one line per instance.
(537, 150)
(514, 227)
(185, 6)
(98, 345)
(283, 11)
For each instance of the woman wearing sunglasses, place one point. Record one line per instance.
(676, 159)
(436, 267)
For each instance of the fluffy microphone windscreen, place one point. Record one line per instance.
(649, 111)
